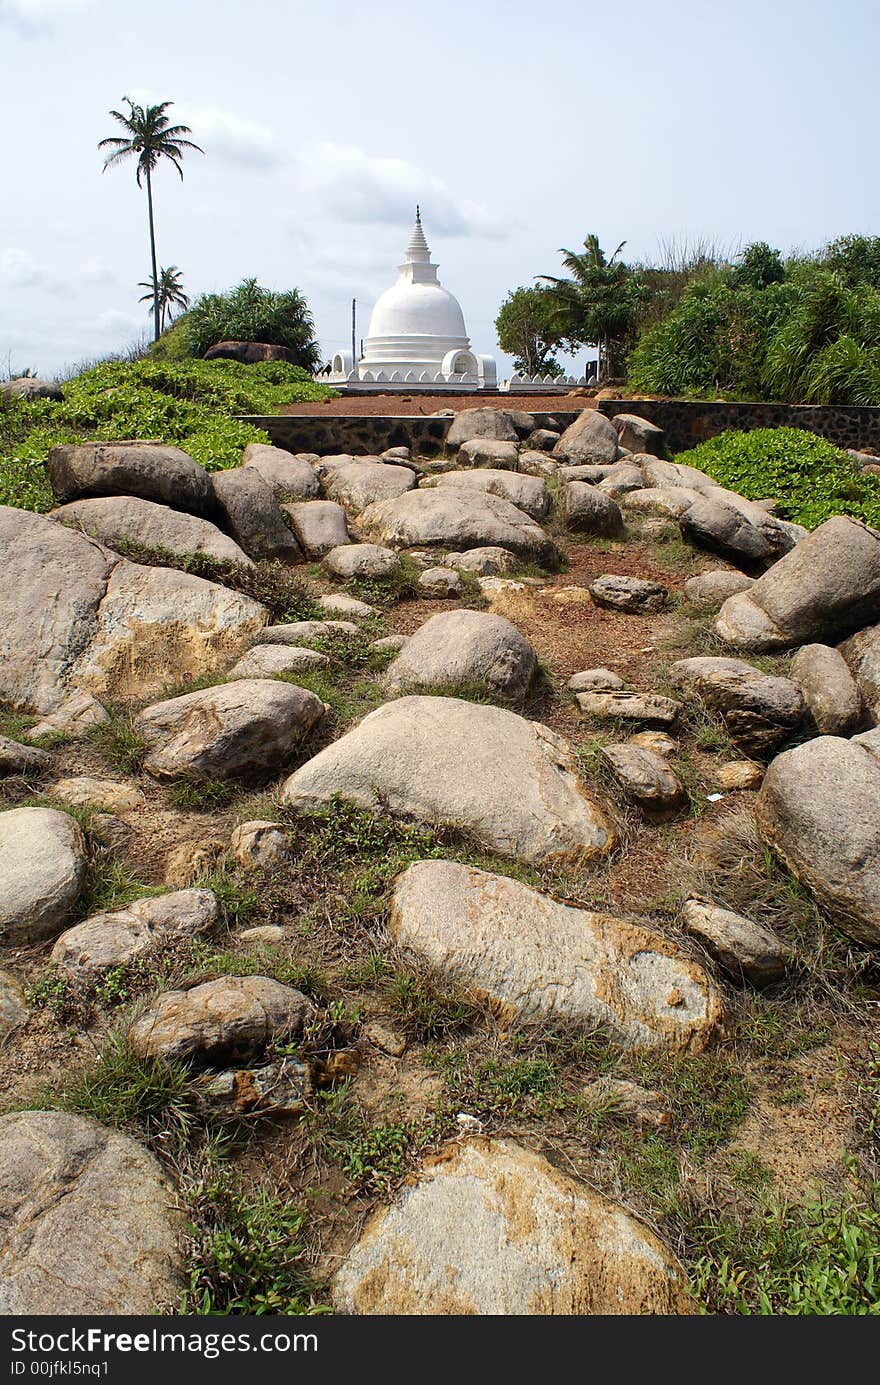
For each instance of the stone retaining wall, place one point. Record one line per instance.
(687, 423)
(369, 434)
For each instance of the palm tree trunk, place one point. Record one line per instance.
(156, 326)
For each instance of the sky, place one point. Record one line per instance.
(519, 127)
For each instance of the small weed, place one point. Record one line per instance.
(72, 998)
(238, 897)
(402, 585)
(110, 885)
(427, 1007)
(375, 1160)
(204, 796)
(119, 740)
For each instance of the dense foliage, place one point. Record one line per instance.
(189, 403)
(250, 312)
(806, 330)
(810, 479)
(530, 328)
(598, 302)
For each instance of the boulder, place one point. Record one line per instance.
(546, 962)
(457, 519)
(72, 719)
(736, 775)
(747, 951)
(708, 522)
(396, 454)
(528, 493)
(480, 423)
(656, 741)
(638, 434)
(233, 1017)
(611, 704)
(461, 649)
(249, 726)
(861, 654)
(260, 845)
(634, 595)
(114, 938)
(486, 452)
(475, 1233)
(363, 560)
(819, 812)
(389, 642)
(305, 631)
(440, 582)
(485, 562)
(90, 1224)
(830, 691)
(360, 482)
(27, 387)
(593, 679)
(537, 464)
(24, 760)
(119, 519)
(42, 871)
(319, 526)
(252, 514)
(149, 470)
(543, 439)
(289, 475)
(270, 660)
(590, 472)
(250, 352)
(588, 510)
(590, 440)
(646, 779)
(431, 758)
(13, 1005)
(826, 587)
(759, 710)
(708, 591)
(98, 795)
(622, 479)
(658, 501)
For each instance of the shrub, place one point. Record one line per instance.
(252, 313)
(810, 479)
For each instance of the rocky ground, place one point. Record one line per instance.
(416, 874)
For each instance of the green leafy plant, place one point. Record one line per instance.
(250, 312)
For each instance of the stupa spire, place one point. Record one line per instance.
(417, 251)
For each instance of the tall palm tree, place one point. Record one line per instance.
(149, 137)
(171, 294)
(598, 301)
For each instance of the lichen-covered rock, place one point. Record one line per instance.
(646, 779)
(490, 1228)
(440, 582)
(100, 795)
(260, 845)
(89, 1223)
(485, 562)
(42, 871)
(745, 949)
(233, 1017)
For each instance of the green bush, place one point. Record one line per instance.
(188, 403)
(252, 313)
(809, 478)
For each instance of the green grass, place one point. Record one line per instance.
(119, 740)
(401, 585)
(148, 1097)
(427, 1007)
(204, 796)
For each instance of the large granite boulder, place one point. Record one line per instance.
(233, 1017)
(290, 475)
(490, 1228)
(861, 653)
(638, 434)
(759, 710)
(432, 758)
(89, 1223)
(249, 726)
(588, 510)
(591, 440)
(708, 591)
(826, 587)
(42, 871)
(117, 519)
(27, 387)
(480, 423)
(462, 649)
(249, 352)
(455, 518)
(489, 452)
(528, 493)
(830, 691)
(546, 962)
(361, 481)
(147, 469)
(819, 811)
(252, 515)
(319, 526)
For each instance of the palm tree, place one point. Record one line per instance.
(150, 137)
(171, 294)
(598, 301)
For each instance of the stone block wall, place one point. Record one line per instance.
(687, 422)
(369, 434)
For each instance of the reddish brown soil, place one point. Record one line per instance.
(410, 405)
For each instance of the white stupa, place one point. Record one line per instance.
(417, 335)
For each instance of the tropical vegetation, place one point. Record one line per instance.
(530, 327)
(171, 294)
(250, 312)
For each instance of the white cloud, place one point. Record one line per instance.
(348, 184)
(31, 16)
(115, 323)
(234, 139)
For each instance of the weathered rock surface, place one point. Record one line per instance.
(106, 940)
(826, 587)
(305, 631)
(89, 1224)
(476, 1232)
(612, 704)
(42, 870)
(485, 562)
(709, 590)
(269, 660)
(759, 710)
(458, 519)
(488, 452)
(338, 604)
(590, 440)
(290, 475)
(593, 679)
(862, 655)
(233, 1017)
(149, 470)
(120, 519)
(253, 516)
(709, 522)
(819, 811)
(622, 479)
(746, 950)
(735, 775)
(31, 387)
(635, 595)
(465, 648)
(831, 693)
(589, 510)
(260, 845)
(638, 434)
(440, 582)
(360, 482)
(22, 759)
(72, 718)
(13, 1005)
(546, 961)
(480, 423)
(362, 560)
(646, 779)
(528, 493)
(248, 726)
(543, 439)
(101, 795)
(430, 758)
(319, 526)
